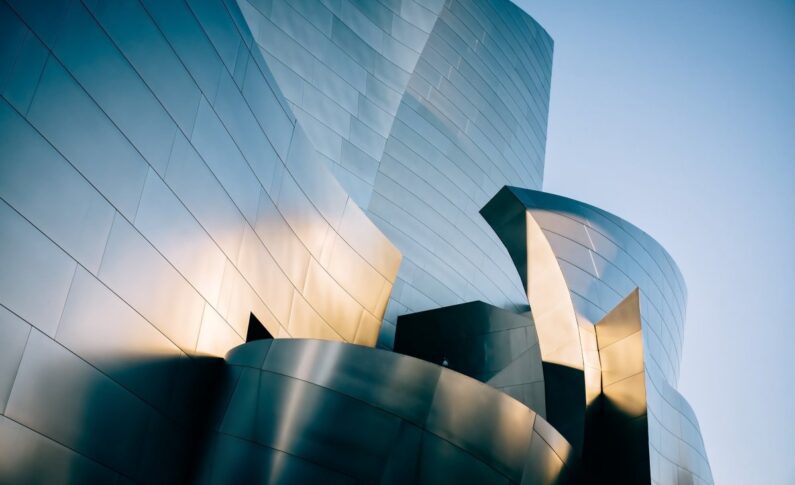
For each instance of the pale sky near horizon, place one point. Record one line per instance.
(679, 116)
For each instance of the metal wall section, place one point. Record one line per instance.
(482, 341)
(617, 432)
(304, 411)
(603, 258)
(473, 118)
(155, 191)
(343, 66)
(422, 109)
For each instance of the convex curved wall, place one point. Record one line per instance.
(578, 263)
(422, 110)
(172, 171)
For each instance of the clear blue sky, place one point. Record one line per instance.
(679, 116)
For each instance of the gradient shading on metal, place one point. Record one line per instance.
(616, 439)
(487, 343)
(326, 412)
(422, 110)
(569, 387)
(172, 170)
(599, 259)
(156, 191)
(472, 119)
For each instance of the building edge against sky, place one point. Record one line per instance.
(172, 168)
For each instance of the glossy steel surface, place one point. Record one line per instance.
(617, 436)
(422, 109)
(472, 119)
(156, 190)
(601, 257)
(568, 386)
(333, 412)
(171, 168)
(482, 341)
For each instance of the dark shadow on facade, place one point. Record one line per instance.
(118, 434)
(616, 445)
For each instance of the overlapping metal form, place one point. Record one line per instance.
(174, 171)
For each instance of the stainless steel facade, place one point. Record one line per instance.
(171, 168)
(308, 411)
(578, 263)
(487, 343)
(422, 110)
(156, 191)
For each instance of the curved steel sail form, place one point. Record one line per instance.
(311, 411)
(608, 304)
(179, 178)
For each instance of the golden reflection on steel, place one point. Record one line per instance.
(569, 383)
(617, 436)
(407, 420)
(548, 294)
(620, 343)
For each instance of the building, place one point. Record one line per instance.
(178, 178)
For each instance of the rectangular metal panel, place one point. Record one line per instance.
(264, 275)
(332, 302)
(189, 41)
(138, 37)
(171, 228)
(234, 454)
(220, 28)
(407, 392)
(236, 115)
(219, 151)
(266, 108)
(477, 437)
(13, 338)
(36, 273)
(137, 114)
(281, 242)
(197, 188)
(89, 406)
(134, 270)
(216, 337)
(23, 61)
(290, 418)
(460, 466)
(63, 205)
(104, 157)
(25, 451)
(106, 332)
(238, 301)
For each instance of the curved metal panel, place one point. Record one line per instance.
(602, 257)
(156, 190)
(351, 413)
(472, 119)
(568, 386)
(617, 436)
(421, 110)
(482, 341)
(201, 204)
(171, 168)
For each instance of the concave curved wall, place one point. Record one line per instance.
(156, 190)
(422, 110)
(602, 259)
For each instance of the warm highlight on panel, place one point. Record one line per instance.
(213, 211)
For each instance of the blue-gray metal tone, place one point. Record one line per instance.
(174, 169)
(155, 191)
(578, 263)
(482, 341)
(473, 119)
(309, 411)
(423, 110)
